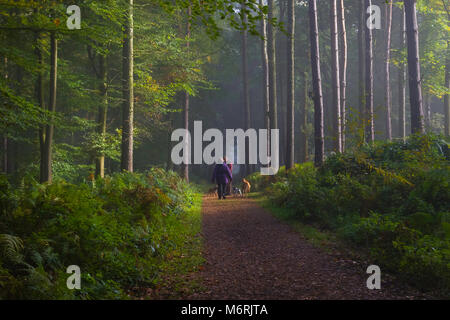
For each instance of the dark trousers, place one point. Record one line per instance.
(221, 190)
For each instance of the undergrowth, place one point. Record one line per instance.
(122, 231)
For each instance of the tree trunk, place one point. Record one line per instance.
(336, 84)
(369, 123)
(387, 70)
(5, 135)
(128, 93)
(427, 105)
(41, 101)
(247, 120)
(415, 81)
(361, 59)
(447, 97)
(185, 166)
(272, 69)
(265, 68)
(281, 51)
(46, 175)
(401, 82)
(304, 121)
(290, 156)
(102, 114)
(317, 85)
(343, 70)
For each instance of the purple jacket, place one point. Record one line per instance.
(222, 174)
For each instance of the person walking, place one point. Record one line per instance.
(222, 176)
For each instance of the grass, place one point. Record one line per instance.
(177, 266)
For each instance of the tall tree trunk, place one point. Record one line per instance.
(343, 69)
(41, 101)
(447, 96)
(281, 51)
(272, 69)
(387, 70)
(427, 111)
(361, 59)
(290, 155)
(169, 166)
(265, 68)
(447, 79)
(336, 84)
(317, 85)
(102, 113)
(369, 123)
(46, 175)
(128, 93)
(5, 134)
(401, 81)
(304, 121)
(415, 81)
(185, 166)
(247, 120)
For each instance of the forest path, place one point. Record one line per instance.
(251, 255)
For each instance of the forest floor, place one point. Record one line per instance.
(249, 254)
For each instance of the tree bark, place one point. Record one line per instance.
(415, 81)
(361, 60)
(304, 121)
(401, 81)
(281, 51)
(272, 69)
(447, 97)
(128, 93)
(46, 174)
(369, 123)
(336, 84)
(41, 101)
(265, 68)
(247, 120)
(290, 142)
(317, 85)
(427, 105)
(343, 70)
(102, 113)
(5, 135)
(447, 79)
(387, 70)
(185, 166)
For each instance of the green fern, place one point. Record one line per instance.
(10, 247)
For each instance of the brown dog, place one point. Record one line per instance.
(246, 187)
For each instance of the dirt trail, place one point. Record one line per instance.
(251, 255)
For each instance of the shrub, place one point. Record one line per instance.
(117, 230)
